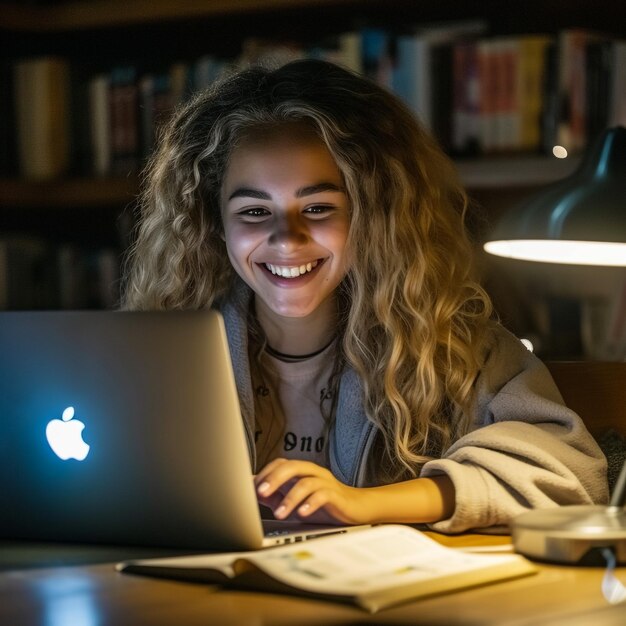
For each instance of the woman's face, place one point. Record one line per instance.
(286, 217)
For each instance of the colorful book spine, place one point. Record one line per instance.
(572, 88)
(466, 113)
(533, 50)
(489, 97)
(124, 107)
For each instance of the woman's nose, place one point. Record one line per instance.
(289, 233)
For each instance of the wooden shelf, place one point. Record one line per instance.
(515, 171)
(480, 174)
(75, 15)
(68, 193)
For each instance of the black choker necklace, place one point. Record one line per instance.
(295, 357)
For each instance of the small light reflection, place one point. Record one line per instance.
(68, 600)
(559, 152)
(528, 344)
(613, 590)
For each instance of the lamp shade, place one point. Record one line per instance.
(579, 220)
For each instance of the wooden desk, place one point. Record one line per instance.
(96, 595)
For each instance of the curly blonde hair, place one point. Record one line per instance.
(414, 320)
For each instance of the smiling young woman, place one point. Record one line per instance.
(310, 207)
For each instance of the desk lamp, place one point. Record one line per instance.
(580, 220)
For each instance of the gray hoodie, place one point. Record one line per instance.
(526, 448)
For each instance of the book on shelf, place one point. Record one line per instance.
(604, 86)
(373, 568)
(347, 52)
(206, 70)
(489, 53)
(80, 145)
(466, 99)
(26, 274)
(571, 85)
(180, 80)
(86, 279)
(377, 55)
(267, 52)
(617, 111)
(550, 113)
(597, 71)
(156, 102)
(441, 78)
(42, 109)
(343, 49)
(415, 75)
(104, 266)
(531, 79)
(100, 125)
(511, 82)
(124, 120)
(8, 166)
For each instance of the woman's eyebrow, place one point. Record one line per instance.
(248, 192)
(319, 188)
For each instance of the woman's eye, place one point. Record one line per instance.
(318, 209)
(255, 212)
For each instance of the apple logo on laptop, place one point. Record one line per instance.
(65, 437)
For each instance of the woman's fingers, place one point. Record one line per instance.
(268, 469)
(293, 486)
(272, 477)
(297, 496)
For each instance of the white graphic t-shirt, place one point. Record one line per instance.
(288, 401)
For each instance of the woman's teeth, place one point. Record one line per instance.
(291, 272)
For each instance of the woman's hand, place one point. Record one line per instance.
(313, 493)
(304, 488)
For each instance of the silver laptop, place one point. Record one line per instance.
(125, 428)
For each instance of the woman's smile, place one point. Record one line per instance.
(291, 271)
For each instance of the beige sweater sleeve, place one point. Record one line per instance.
(527, 450)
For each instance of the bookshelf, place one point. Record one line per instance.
(96, 36)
